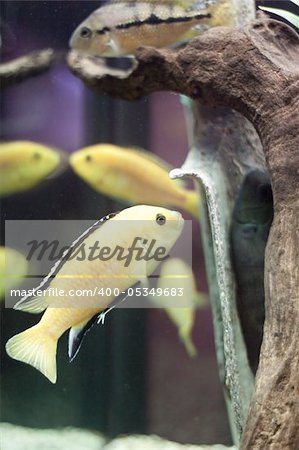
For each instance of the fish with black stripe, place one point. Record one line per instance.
(290, 13)
(119, 28)
(154, 227)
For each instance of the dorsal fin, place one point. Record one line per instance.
(156, 160)
(58, 265)
(150, 157)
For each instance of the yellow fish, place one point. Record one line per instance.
(119, 28)
(108, 279)
(11, 262)
(176, 276)
(132, 176)
(24, 164)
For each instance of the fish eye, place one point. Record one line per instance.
(160, 219)
(37, 156)
(85, 32)
(88, 158)
(249, 230)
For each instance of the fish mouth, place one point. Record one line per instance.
(74, 42)
(76, 162)
(71, 41)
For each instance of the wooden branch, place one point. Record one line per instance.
(19, 69)
(254, 70)
(153, 70)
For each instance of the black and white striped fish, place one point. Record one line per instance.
(288, 10)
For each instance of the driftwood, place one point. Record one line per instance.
(253, 70)
(19, 69)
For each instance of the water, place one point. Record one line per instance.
(132, 375)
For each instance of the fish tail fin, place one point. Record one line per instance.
(35, 347)
(193, 203)
(185, 336)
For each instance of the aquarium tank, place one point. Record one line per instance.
(139, 362)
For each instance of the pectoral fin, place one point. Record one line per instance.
(139, 269)
(140, 273)
(144, 282)
(78, 332)
(117, 301)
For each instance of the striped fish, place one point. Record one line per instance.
(37, 345)
(120, 28)
(290, 16)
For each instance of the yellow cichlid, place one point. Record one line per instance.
(132, 176)
(11, 262)
(178, 275)
(152, 225)
(24, 164)
(119, 28)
